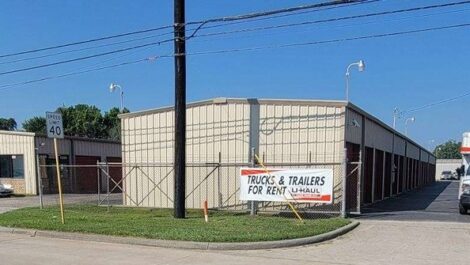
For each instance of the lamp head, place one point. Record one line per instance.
(361, 65)
(112, 87)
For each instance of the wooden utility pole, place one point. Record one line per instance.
(180, 110)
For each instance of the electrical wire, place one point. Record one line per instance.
(333, 19)
(239, 31)
(291, 14)
(170, 33)
(84, 49)
(2, 87)
(82, 58)
(337, 26)
(440, 102)
(276, 12)
(85, 41)
(153, 58)
(221, 19)
(333, 40)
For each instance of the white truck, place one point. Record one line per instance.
(464, 187)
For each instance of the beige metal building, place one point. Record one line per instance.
(222, 132)
(18, 166)
(17, 161)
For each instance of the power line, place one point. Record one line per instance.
(333, 40)
(84, 49)
(153, 58)
(170, 33)
(2, 87)
(351, 24)
(293, 14)
(277, 11)
(222, 19)
(82, 58)
(430, 105)
(85, 41)
(333, 19)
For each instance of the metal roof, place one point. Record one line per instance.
(316, 102)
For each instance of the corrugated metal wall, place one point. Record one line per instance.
(291, 132)
(392, 162)
(280, 131)
(212, 129)
(18, 143)
(82, 147)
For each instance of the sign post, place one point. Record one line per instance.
(55, 130)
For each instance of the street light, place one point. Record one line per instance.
(412, 119)
(112, 88)
(431, 143)
(397, 114)
(361, 66)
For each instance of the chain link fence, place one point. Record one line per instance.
(152, 185)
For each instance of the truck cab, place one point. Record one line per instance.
(464, 186)
(464, 194)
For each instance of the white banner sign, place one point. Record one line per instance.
(296, 185)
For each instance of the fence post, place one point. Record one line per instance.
(107, 184)
(253, 203)
(219, 181)
(39, 180)
(359, 183)
(98, 174)
(345, 172)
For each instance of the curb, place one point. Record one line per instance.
(185, 244)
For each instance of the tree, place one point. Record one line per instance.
(83, 120)
(113, 123)
(448, 150)
(7, 124)
(35, 125)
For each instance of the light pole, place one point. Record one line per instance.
(112, 88)
(396, 115)
(361, 67)
(412, 119)
(431, 143)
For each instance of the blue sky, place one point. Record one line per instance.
(402, 71)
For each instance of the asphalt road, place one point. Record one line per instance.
(419, 227)
(13, 202)
(435, 202)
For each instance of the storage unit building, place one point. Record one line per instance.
(18, 162)
(222, 133)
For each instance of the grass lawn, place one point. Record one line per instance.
(159, 224)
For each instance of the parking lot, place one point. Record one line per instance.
(14, 202)
(435, 202)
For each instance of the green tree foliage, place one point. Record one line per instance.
(448, 150)
(113, 123)
(35, 125)
(84, 121)
(7, 124)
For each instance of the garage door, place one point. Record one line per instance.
(86, 176)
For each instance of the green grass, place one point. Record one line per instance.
(159, 224)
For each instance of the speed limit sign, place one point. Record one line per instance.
(54, 125)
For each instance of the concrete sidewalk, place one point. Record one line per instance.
(373, 242)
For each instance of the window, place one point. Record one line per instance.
(11, 166)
